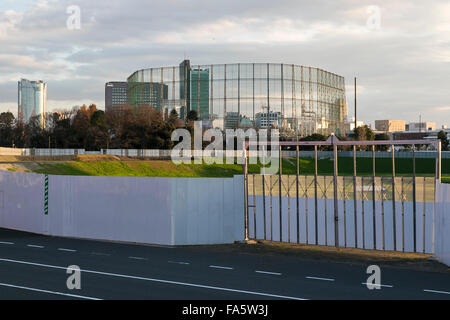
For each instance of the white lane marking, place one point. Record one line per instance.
(267, 272)
(137, 258)
(317, 278)
(34, 246)
(2, 242)
(48, 291)
(436, 291)
(68, 250)
(378, 285)
(179, 262)
(186, 284)
(220, 267)
(100, 254)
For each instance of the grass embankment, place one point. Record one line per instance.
(158, 168)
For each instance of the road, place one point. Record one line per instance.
(34, 267)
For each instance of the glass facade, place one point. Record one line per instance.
(296, 99)
(32, 100)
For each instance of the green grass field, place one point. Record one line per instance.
(157, 168)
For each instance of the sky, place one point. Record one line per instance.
(399, 50)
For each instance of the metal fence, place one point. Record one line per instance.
(368, 212)
(160, 153)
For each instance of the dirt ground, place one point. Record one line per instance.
(412, 261)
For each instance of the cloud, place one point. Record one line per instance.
(402, 68)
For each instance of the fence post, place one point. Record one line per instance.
(315, 194)
(245, 194)
(355, 201)
(296, 182)
(254, 205)
(264, 192)
(414, 197)
(393, 199)
(279, 193)
(335, 183)
(439, 161)
(373, 200)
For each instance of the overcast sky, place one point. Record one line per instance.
(398, 50)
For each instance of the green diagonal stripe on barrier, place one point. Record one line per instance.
(46, 195)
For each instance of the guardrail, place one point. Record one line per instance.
(164, 154)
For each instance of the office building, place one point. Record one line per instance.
(32, 100)
(115, 95)
(390, 125)
(421, 126)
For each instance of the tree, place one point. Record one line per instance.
(442, 135)
(173, 117)
(363, 133)
(6, 120)
(381, 137)
(80, 127)
(314, 137)
(192, 115)
(6, 129)
(92, 129)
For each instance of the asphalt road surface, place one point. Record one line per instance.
(35, 267)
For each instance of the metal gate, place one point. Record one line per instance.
(368, 212)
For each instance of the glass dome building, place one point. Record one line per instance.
(296, 99)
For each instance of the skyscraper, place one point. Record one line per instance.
(32, 100)
(184, 71)
(199, 85)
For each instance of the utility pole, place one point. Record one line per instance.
(356, 121)
(420, 123)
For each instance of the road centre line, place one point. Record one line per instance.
(220, 267)
(378, 285)
(179, 262)
(35, 246)
(323, 279)
(68, 250)
(186, 284)
(267, 272)
(436, 291)
(100, 254)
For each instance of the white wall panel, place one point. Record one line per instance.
(23, 201)
(168, 211)
(442, 223)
